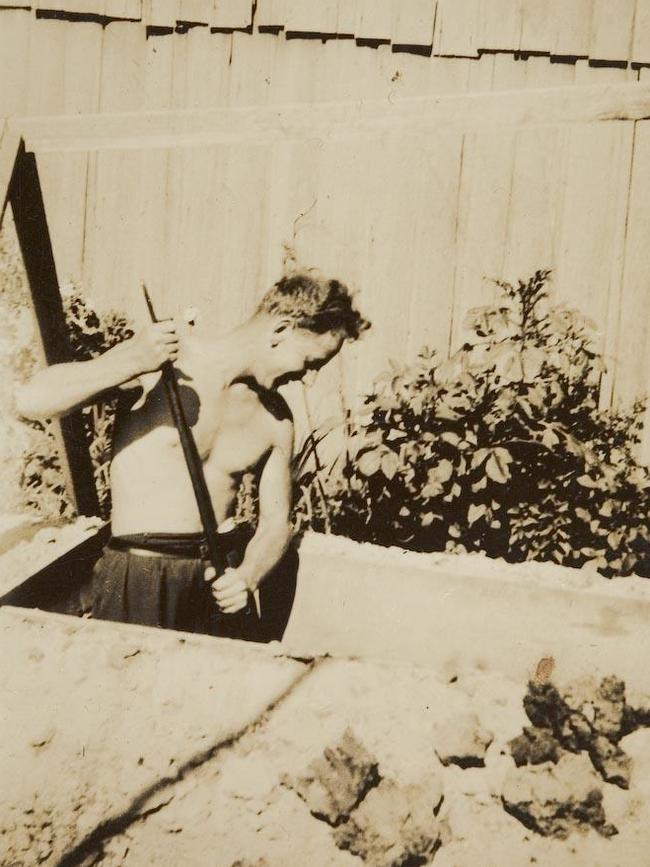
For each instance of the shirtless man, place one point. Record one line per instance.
(153, 570)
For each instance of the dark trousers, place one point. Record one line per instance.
(167, 589)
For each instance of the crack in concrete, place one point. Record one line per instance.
(137, 811)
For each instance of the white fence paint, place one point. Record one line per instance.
(420, 223)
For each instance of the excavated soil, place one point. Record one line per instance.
(127, 747)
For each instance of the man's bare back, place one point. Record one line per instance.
(234, 431)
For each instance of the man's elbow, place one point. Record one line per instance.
(278, 528)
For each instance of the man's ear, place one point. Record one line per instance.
(281, 329)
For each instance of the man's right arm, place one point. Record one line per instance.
(61, 388)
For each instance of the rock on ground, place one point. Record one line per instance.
(586, 715)
(463, 742)
(555, 800)
(395, 825)
(534, 747)
(338, 780)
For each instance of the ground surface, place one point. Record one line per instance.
(134, 747)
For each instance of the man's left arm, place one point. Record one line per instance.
(273, 533)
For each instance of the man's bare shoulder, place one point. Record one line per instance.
(270, 400)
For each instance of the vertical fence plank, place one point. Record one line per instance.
(250, 75)
(232, 14)
(481, 253)
(537, 192)
(413, 22)
(573, 28)
(589, 258)
(633, 343)
(612, 30)
(15, 32)
(160, 13)
(311, 16)
(271, 13)
(501, 22)
(45, 67)
(538, 25)
(347, 17)
(641, 40)
(374, 19)
(458, 28)
(432, 264)
(158, 72)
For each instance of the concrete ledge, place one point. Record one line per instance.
(453, 611)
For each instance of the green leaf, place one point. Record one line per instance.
(532, 361)
(450, 437)
(478, 457)
(389, 464)
(475, 512)
(497, 466)
(369, 462)
(550, 438)
(443, 471)
(606, 509)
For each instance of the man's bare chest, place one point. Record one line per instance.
(232, 430)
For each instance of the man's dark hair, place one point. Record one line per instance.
(315, 304)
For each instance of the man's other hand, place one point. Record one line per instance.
(230, 590)
(154, 345)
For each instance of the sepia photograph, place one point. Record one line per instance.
(325, 433)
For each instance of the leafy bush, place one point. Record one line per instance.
(500, 449)
(92, 334)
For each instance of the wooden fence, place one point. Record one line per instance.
(419, 213)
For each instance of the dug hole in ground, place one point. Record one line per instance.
(421, 709)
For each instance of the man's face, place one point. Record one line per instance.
(300, 351)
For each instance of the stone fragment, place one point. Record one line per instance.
(555, 800)
(637, 746)
(338, 780)
(586, 716)
(610, 708)
(611, 762)
(601, 705)
(544, 706)
(462, 742)
(395, 825)
(535, 746)
(635, 718)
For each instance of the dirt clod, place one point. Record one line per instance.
(614, 765)
(337, 781)
(585, 716)
(395, 825)
(534, 746)
(555, 800)
(462, 742)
